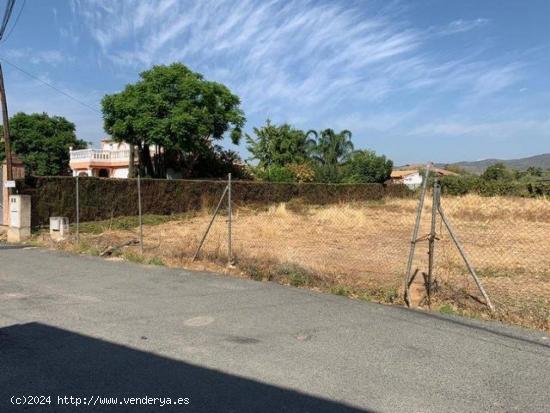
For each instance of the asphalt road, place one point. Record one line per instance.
(89, 328)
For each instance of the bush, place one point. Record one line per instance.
(367, 167)
(302, 172)
(277, 173)
(458, 185)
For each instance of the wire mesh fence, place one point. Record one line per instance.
(360, 242)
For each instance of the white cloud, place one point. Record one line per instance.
(497, 129)
(35, 57)
(290, 53)
(461, 26)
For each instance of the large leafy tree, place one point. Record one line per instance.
(276, 146)
(175, 109)
(42, 142)
(367, 167)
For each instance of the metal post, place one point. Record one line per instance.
(210, 224)
(229, 217)
(431, 241)
(465, 258)
(139, 213)
(77, 211)
(415, 234)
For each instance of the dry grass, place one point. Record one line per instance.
(361, 249)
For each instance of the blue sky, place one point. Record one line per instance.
(418, 80)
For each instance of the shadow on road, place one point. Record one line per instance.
(38, 359)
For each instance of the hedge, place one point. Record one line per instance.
(102, 198)
(461, 185)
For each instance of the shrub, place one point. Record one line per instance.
(277, 173)
(303, 172)
(367, 167)
(458, 185)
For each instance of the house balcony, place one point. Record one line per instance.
(100, 156)
(100, 162)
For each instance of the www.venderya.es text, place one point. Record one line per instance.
(96, 400)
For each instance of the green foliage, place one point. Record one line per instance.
(107, 199)
(328, 173)
(497, 172)
(286, 154)
(295, 275)
(332, 148)
(447, 309)
(42, 142)
(458, 185)
(367, 167)
(155, 261)
(176, 109)
(276, 173)
(497, 180)
(278, 145)
(303, 172)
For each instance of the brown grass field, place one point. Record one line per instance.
(361, 250)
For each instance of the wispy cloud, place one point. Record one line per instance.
(461, 26)
(35, 57)
(498, 129)
(291, 54)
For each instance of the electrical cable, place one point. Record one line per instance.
(3, 59)
(15, 22)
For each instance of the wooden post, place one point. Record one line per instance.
(6, 126)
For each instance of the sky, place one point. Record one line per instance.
(422, 80)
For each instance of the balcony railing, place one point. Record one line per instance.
(99, 155)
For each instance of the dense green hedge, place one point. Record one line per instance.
(106, 198)
(461, 185)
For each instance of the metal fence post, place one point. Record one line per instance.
(431, 241)
(139, 213)
(465, 258)
(229, 217)
(414, 237)
(77, 211)
(210, 223)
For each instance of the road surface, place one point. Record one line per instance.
(94, 329)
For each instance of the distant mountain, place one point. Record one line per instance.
(540, 161)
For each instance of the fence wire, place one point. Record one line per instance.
(357, 242)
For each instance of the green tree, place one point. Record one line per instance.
(497, 172)
(367, 167)
(42, 142)
(535, 171)
(175, 109)
(278, 145)
(329, 151)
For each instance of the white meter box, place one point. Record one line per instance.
(20, 211)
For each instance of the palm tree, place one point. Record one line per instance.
(332, 148)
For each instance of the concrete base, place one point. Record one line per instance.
(18, 234)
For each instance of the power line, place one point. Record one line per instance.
(7, 15)
(15, 22)
(49, 85)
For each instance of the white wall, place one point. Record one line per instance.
(413, 181)
(120, 173)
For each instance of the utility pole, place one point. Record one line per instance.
(6, 126)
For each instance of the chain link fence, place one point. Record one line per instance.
(356, 242)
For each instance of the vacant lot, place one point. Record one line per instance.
(361, 249)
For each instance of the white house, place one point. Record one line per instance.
(411, 178)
